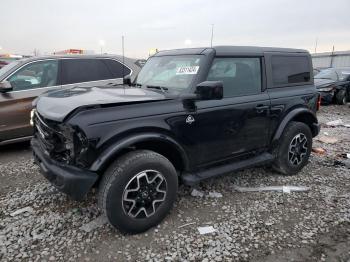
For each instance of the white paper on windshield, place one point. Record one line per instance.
(187, 70)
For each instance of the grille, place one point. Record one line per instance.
(44, 133)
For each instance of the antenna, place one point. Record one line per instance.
(123, 56)
(212, 34)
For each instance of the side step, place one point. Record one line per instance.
(194, 178)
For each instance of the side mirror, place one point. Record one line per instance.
(210, 90)
(127, 80)
(5, 86)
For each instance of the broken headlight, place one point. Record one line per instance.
(81, 145)
(63, 144)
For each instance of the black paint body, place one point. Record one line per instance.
(223, 131)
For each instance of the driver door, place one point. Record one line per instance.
(239, 123)
(28, 82)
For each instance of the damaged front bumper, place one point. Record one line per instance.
(71, 180)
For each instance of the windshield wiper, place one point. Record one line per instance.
(323, 78)
(162, 88)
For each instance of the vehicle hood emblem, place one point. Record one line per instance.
(190, 119)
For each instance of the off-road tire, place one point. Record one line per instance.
(341, 97)
(118, 176)
(282, 162)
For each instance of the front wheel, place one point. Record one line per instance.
(138, 190)
(294, 148)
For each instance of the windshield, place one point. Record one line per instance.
(8, 67)
(327, 74)
(170, 72)
(344, 74)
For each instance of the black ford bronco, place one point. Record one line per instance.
(190, 115)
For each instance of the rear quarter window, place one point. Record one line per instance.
(117, 69)
(287, 70)
(84, 70)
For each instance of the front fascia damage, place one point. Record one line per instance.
(62, 142)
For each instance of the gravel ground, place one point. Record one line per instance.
(250, 226)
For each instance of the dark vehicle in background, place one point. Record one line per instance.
(23, 80)
(141, 62)
(192, 114)
(3, 63)
(6, 60)
(334, 85)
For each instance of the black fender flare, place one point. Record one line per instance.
(114, 149)
(315, 127)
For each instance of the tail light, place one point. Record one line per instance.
(318, 106)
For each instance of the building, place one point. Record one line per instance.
(74, 51)
(331, 59)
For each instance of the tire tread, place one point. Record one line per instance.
(279, 164)
(115, 170)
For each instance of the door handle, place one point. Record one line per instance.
(261, 108)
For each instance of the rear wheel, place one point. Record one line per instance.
(341, 97)
(138, 190)
(294, 149)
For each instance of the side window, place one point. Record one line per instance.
(84, 70)
(240, 76)
(35, 75)
(116, 68)
(290, 70)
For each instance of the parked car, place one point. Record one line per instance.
(3, 63)
(24, 80)
(333, 85)
(191, 115)
(6, 59)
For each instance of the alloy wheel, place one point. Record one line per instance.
(297, 149)
(144, 193)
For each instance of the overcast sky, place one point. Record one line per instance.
(50, 25)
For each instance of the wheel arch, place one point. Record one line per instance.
(302, 115)
(160, 143)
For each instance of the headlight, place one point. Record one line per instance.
(326, 89)
(32, 113)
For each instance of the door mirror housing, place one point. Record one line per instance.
(210, 90)
(5, 86)
(127, 80)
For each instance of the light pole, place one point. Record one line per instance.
(316, 42)
(212, 35)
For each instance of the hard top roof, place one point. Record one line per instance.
(230, 50)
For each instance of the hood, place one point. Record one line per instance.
(323, 82)
(56, 105)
